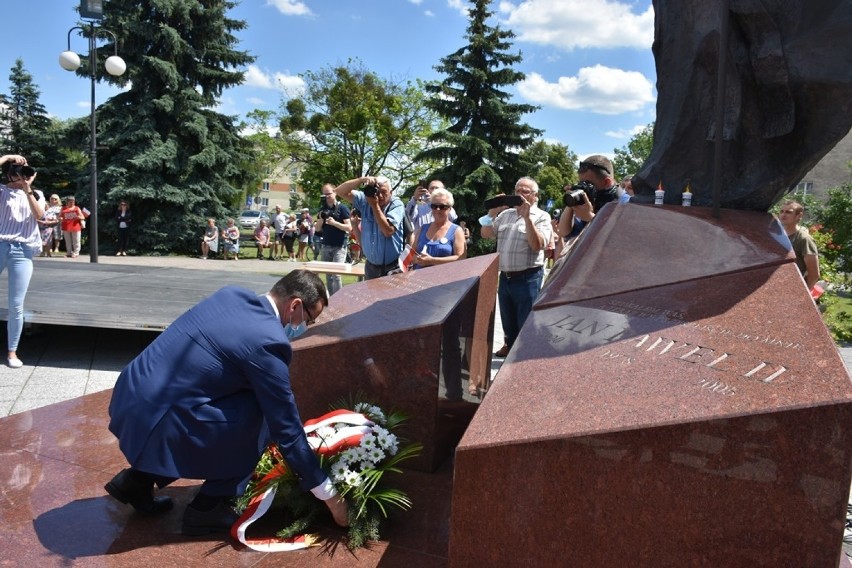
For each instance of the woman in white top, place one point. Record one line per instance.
(19, 240)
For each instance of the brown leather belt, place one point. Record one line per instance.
(515, 274)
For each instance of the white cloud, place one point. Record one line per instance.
(416, 2)
(256, 78)
(292, 85)
(429, 13)
(256, 101)
(626, 133)
(462, 6)
(598, 89)
(290, 7)
(570, 24)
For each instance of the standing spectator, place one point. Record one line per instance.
(56, 202)
(210, 239)
(335, 225)
(261, 239)
(72, 226)
(306, 227)
(122, 217)
(804, 246)
(440, 241)
(522, 234)
(19, 240)
(209, 394)
(231, 240)
(596, 170)
(626, 186)
(316, 239)
(279, 222)
(49, 226)
(381, 224)
(291, 233)
(418, 210)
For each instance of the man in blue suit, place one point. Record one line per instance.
(204, 399)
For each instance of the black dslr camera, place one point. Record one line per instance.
(574, 197)
(18, 171)
(324, 214)
(371, 190)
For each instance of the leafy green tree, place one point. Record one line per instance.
(836, 219)
(629, 159)
(349, 122)
(479, 150)
(28, 130)
(166, 150)
(555, 167)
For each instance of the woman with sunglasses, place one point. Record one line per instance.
(440, 241)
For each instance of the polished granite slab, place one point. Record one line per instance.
(54, 512)
(678, 405)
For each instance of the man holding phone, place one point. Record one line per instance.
(522, 233)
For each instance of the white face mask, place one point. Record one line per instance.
(292, 332)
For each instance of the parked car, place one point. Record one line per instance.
(250, 218)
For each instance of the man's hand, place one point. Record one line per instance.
(339, 510)
(585, 211)
(524, 208)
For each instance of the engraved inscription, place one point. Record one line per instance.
(574, 325)
(764, 371)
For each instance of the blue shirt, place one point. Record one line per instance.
(378, 248)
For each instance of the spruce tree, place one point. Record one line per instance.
(27, 130)
(162, 146)
(479, 150)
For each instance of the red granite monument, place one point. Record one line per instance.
(418, 342)
(676, 402)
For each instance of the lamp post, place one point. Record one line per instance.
(115, 66)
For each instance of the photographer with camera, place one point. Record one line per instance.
(522, 233)
(20, 239)
(596, 188)
(381, 222)
(418, 208)
(335, 225)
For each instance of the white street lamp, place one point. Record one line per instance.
(115, 66)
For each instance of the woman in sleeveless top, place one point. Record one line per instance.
(439, 241)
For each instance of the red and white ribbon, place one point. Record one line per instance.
(345, 437)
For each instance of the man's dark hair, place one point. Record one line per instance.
(302, 284)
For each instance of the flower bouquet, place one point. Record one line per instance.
(356, 448)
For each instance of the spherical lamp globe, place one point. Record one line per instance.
(69, 60)
(115, 65)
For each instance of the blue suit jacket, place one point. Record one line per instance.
(197, 402)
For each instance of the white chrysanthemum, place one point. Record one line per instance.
(339, 471)
(362, 407)
(349, 456)
(368, 440)
(377, 414)
(360, 453)
(376, 455)
(351, 478)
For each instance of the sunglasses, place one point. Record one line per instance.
(440, 206)
(586, 166)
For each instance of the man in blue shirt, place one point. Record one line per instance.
(381, 222)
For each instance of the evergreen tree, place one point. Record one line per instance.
(479, 149)
(162, 146)
(26, 129)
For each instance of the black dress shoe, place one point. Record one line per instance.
(218, 520)
(126, 488)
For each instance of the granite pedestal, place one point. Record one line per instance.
(673, 399)
(418, 342)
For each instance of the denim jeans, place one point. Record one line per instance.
(516, 296)
(330, 253)
(18, 258)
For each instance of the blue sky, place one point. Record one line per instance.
(588, 62)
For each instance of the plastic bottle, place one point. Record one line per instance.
(659, 194)
(687, 196)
